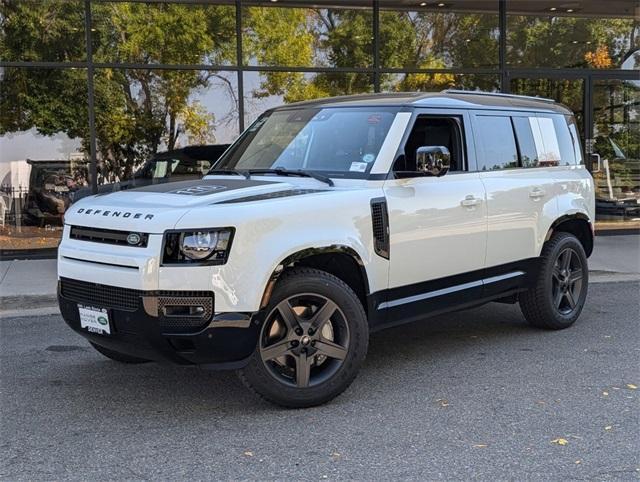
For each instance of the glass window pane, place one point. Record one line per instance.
(164, 33)
(307, 37)
(43, 145)
(497, 143)
(36, 30)
(528, 144)
(146, 119)
(265, 90)
(341, 142)
(616, 132)
(570, 92)
(550, 155)
(461, 34)
(437, 82)
(590, 36)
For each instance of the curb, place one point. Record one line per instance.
(27, 302)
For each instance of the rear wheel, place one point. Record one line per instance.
(119, 357)
(557, 299)
(312, 342)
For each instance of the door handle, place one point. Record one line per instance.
(470, 201)
(536, 193)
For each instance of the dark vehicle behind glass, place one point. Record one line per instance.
(184, 164)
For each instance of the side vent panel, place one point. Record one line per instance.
(380, 221)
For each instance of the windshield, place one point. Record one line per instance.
(338, 142)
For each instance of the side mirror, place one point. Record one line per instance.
(433, 160)
(596, 163)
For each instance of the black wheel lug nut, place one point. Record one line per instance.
(294, 343)
(299, 331)
(311, 331)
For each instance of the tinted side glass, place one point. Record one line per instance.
(565, 143)
(575, 139)
(494, 135)
(526, 141)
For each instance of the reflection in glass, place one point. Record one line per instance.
(265, 90)
(436, 82)
(307, 37)
(142, 112)
(435, 38)
(37, 30)
(617, 141)
(43, 145)
(572, 41)
(164, 33)
(570, 92)
(341, 142)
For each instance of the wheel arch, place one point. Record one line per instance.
(577, 224)
(339, 260)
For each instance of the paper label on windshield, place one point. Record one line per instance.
(358, 166)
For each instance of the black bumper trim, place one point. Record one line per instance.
(139, 334)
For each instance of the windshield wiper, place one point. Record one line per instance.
(237, 172)
(279, 171)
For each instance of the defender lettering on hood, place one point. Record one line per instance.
(115, 214)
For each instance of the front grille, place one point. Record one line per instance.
(108, 236)
(100, 295)
(126, 299)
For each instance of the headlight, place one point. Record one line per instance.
(204, 247)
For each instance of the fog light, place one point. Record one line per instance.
(184, 310)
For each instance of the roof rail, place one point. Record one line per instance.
(496, 94)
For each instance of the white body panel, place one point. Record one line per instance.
(521, 206)
(267, 232)
(432, 233)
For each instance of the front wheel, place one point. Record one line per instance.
(313, 340)
(558, 296)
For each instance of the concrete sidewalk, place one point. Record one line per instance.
(26, 284)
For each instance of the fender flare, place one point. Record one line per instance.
(309, 252)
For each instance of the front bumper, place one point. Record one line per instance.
(218, 340)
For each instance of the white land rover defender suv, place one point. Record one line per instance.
(327, 220)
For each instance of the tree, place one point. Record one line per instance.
(137, 111)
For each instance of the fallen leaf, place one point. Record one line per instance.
(578, 461)
(560, 441)
(605, 394)
(608, 427)
(248, 453)
(335, 455)
(480, 446)
(632, 386)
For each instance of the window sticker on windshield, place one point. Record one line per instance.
(374, 118)
(358, 166)
(368, 158)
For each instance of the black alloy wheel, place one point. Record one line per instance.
(567, 281)
(559, 293)
(304, 340)
(313, 339)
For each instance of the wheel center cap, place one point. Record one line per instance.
(305, 340)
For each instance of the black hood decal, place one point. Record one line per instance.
(271, 195)
(201, 187)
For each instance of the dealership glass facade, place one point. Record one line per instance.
(91, 89)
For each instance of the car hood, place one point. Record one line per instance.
(158, 207)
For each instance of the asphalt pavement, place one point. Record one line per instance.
(475, 394)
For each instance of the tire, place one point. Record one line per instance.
(119, 357)
(313, 340)
(558, 296)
